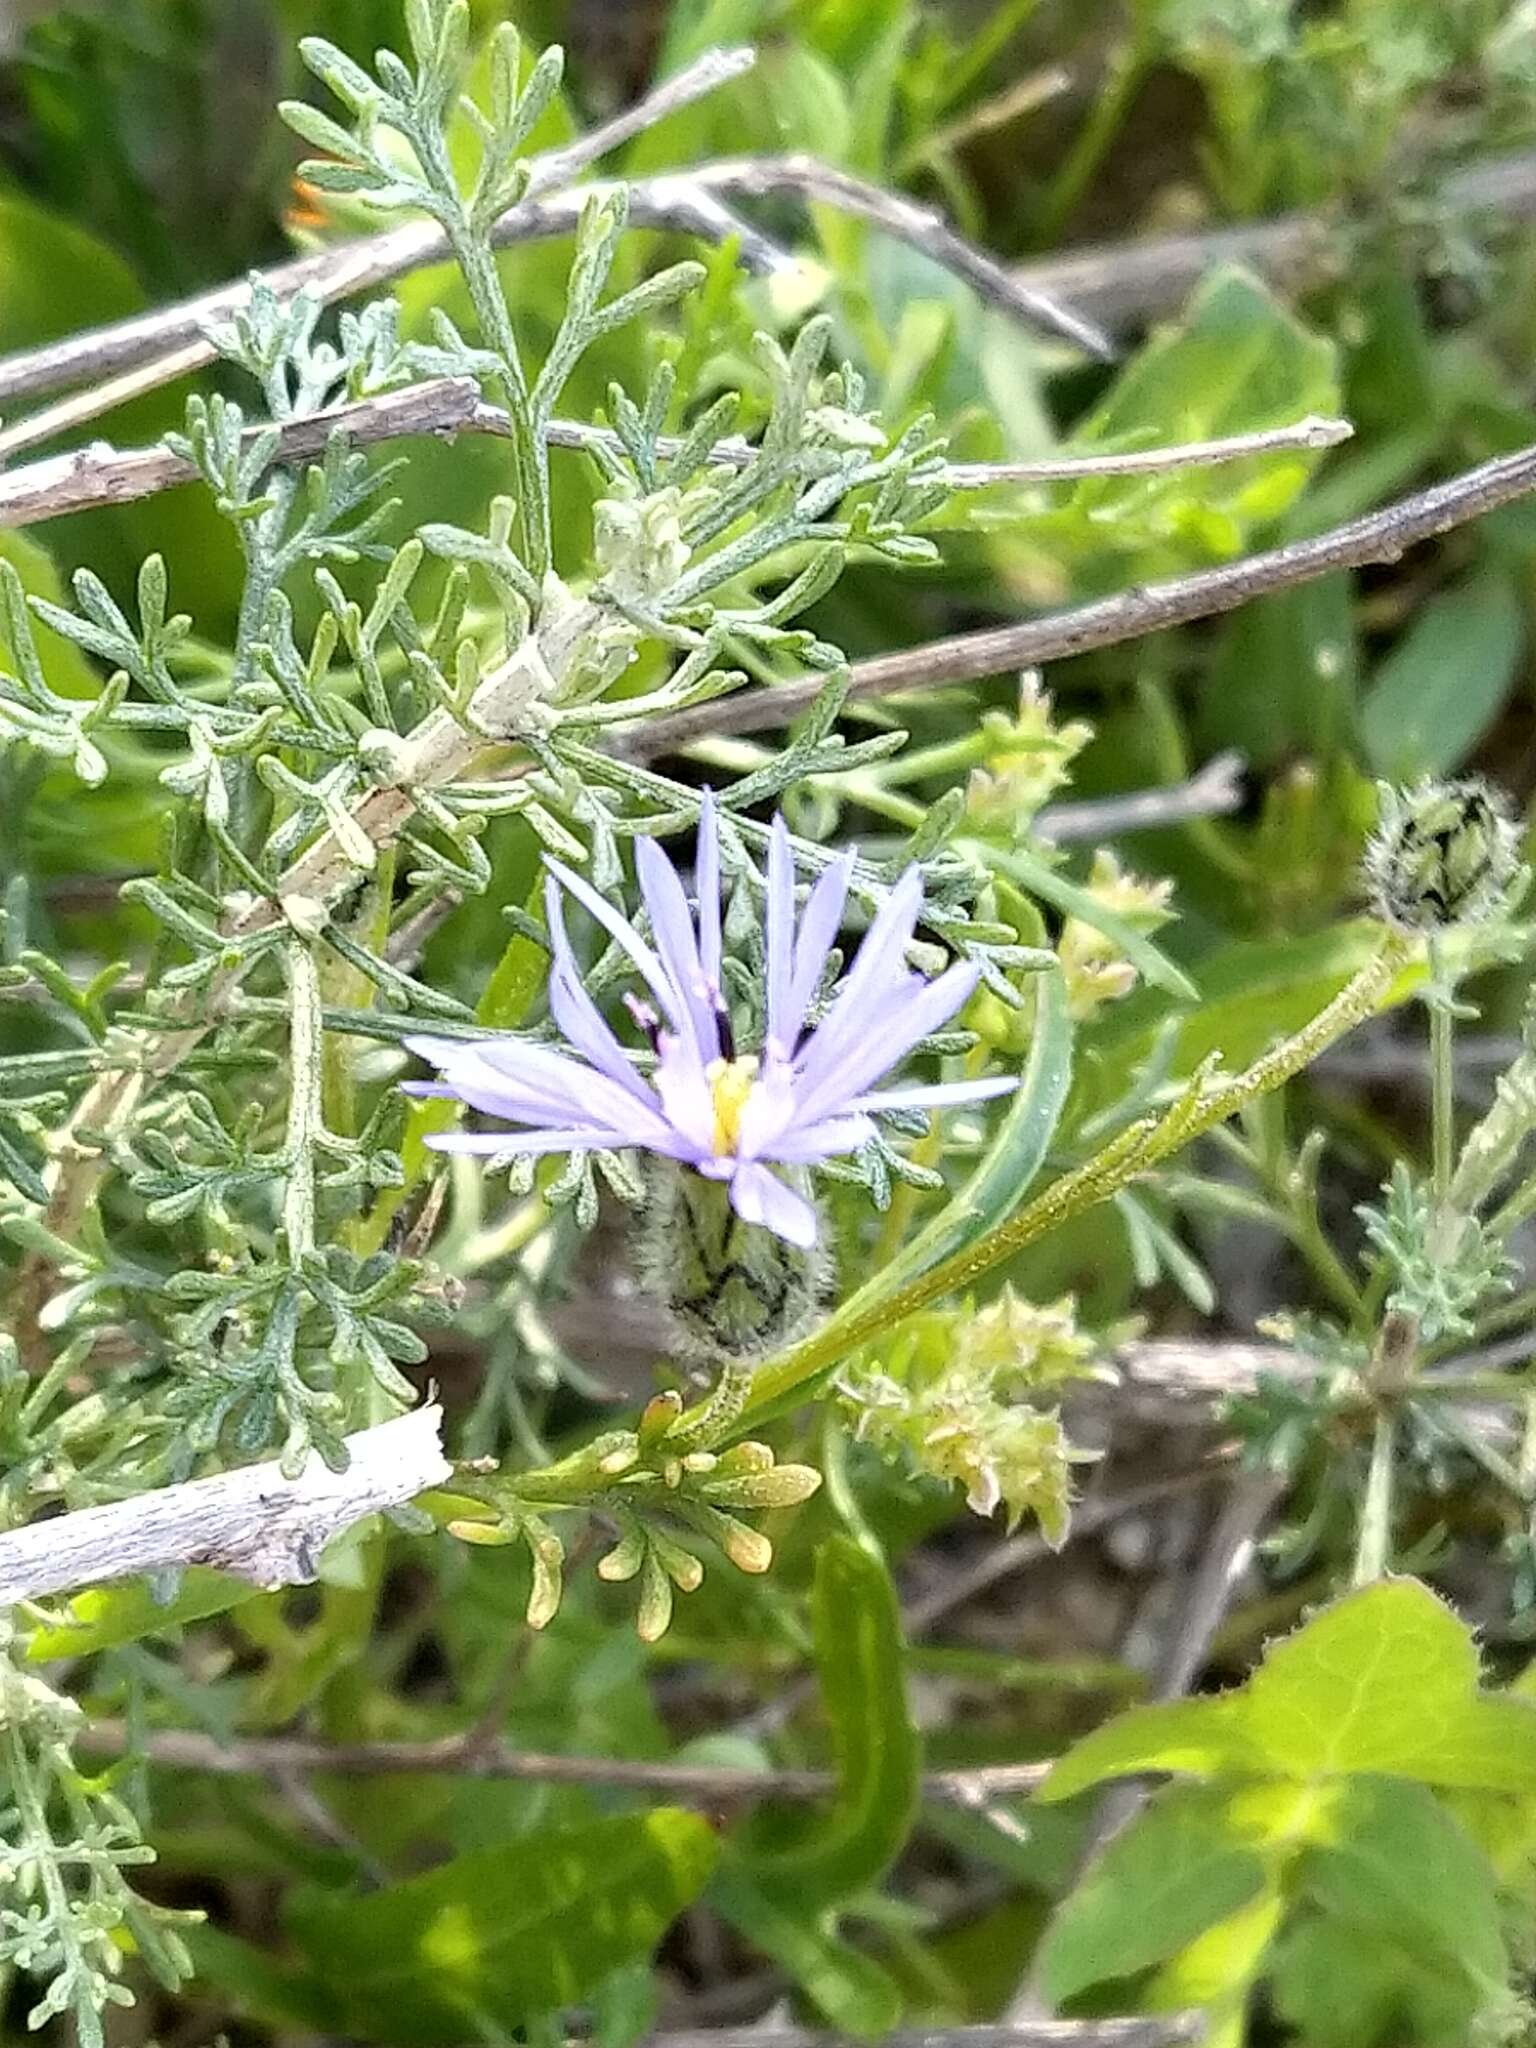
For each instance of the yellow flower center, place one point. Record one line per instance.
(730, 1083)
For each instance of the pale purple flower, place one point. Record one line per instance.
(806, 1096)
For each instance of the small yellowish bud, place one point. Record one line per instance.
(748, 1549)
(1096, 971)
(659, 1414)
(492, 1535)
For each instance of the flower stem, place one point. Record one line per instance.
(305, 1037)
(1131, 1152)
(1374, 1550)
(1442, 1025)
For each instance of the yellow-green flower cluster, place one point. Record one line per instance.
(1096, 970)
(957, 1394)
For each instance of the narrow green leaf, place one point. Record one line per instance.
(859, 1660)
(106, 1616)
(1008, 1168)
(1439, 690)
(778, 1897)
(1033, 875)
(851, 1990)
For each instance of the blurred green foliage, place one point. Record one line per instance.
(1367, 1891)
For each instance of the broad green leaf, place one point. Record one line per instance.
(859, 1662)
(529, 1926)
(1199, 1737)
(1237, 362)
(1399, 1868)
(1177, 1871)
(64, 667)
(1283, 676)
(1382, 1681)
(1399, 1937)
(105, 1616)
(259, 1986)
(57, 278)
(1441, 687)
(1342, 1992)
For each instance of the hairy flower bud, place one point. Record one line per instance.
(734, 1291)
(1443, 854)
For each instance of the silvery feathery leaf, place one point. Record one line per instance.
(804, 1097)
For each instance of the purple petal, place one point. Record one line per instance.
(677, 943)
(940, 1095)
(879, 971)
(533, 1084)
(760, 1197)
(624, 935)
(805, 1143)
(837, 1067)
(574, 1010)
(707, 881)
(782, 1027)
(818, 929)
(687, 1099)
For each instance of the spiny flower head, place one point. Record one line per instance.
(1443, 853)
(805, 1095)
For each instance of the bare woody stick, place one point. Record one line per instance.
(336, 273)
(475, 1757)
(921, 227)
(103, 475)
(1383, 536)
(252, 1521)
(682, 199)
(1124, 283)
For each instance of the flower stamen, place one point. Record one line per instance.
(730, 1084)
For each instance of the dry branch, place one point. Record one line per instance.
(1163, 2031)
(1122, 284)
(155, 348)
(1382, 536)
(337, 272)
(252, 1521)
(920, 227)
(257, 1755)
(103, 475)
(1209, 793)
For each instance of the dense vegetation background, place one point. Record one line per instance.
(1274, 210)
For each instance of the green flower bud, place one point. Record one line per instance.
(1443, 854)
(735, 1292)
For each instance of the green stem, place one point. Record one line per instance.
(1374, 1551)
(1142, 1145)
(1442, 1026)
(305, 1036)
(478, 263)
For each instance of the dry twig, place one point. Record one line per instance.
(1163, 2031)
(253, 1521)
(709, 1784)
(1122, 284)
(103, 475)
(338, 272)
(1382, 536)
